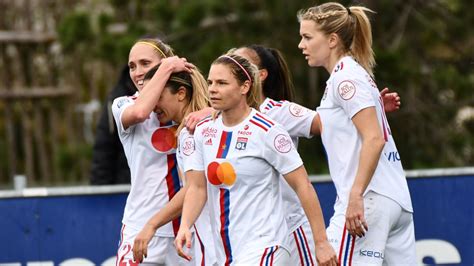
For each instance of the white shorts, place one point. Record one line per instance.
(161, 250)
(390, 239)
(302, 251)
(275, 255)
(204, 251)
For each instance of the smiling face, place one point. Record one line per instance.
(225, 91)
(142, 58)
(314, 44)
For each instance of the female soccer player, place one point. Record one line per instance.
(373, 222)
(183, 93)
(150, 154)
(277, 88)
(241, 153)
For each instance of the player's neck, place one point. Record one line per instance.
(236, 115)
(178, 118)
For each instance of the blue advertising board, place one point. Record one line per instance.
(54, 228)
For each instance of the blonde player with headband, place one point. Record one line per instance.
(241, 153)
(144, 55)
(373, 220)
(150, 151)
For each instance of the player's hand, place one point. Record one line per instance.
(355, 219)
(177, 64)
(325, 254)
(183, 239)
(193, 118)
(391, 100)
(140, 246)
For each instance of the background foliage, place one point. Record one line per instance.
(424, 51)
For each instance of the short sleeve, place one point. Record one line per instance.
(280, 151)
(352, 95)
(294, 118)
(118, 106)
(191, 151)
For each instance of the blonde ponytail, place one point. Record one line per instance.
(351, 25)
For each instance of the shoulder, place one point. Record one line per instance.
(183, 133)
(348, 77)
(123, 100)
(262, 121)
(203, 121)
(346, 68)
(270, 104)
(186, 142)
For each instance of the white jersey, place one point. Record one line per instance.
(150, 149)
(203, 225)
(242, 165)
(297, 120)
(350, 89)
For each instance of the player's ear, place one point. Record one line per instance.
(333, 40)
(245, 88)
(181, 93)
(263, 74)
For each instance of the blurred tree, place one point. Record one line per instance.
(424, 50)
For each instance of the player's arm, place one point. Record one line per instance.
(372, 145)
(150, 94)
(298, 180)
(316, 125)
(194, 200)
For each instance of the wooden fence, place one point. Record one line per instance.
(40, 127)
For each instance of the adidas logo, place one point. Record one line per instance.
(208, 142)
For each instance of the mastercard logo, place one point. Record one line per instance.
(221, 173)
(164, 139)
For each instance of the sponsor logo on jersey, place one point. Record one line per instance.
(283, 143)
(221, 173)
(188, 146)
(297, 110)
(209, 132)
(121, 102)
(392, 156)
(245, 132)
(208, 142)
(241, 143)
(164, 139)
(371, 253)
(346, 90)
